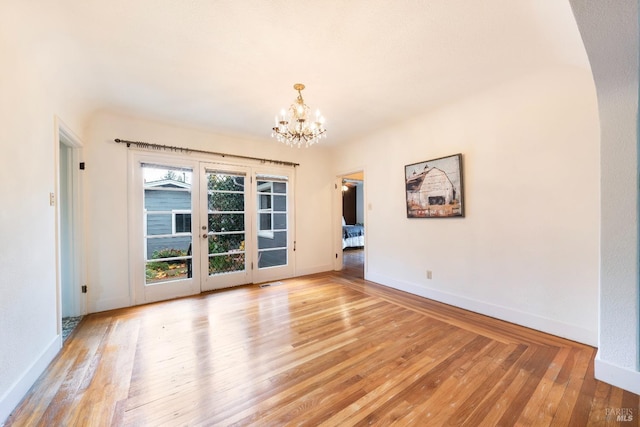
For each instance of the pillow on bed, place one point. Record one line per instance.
(343, 221)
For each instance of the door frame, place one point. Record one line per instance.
(337, 217)
(77, 273)
(139, 292)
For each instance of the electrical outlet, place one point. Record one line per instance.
(429, 275)
(52, 199)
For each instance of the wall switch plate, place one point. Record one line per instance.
(429, 275)
(52, 199)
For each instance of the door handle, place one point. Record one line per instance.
(205, 235)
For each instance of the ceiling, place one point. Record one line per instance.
(230, 65)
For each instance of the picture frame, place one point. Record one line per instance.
(435, 188)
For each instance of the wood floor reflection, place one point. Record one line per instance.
(328, 349)
(353, 262)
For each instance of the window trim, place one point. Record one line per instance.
(173, 221)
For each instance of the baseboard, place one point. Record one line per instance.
(19, 389)
(313, 270)
(110, 304)
(529, 320)
(623, 378)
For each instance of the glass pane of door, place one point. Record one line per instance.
(272, 221)
(167, 223)
(226, 223)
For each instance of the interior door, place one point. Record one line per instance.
(226, 253)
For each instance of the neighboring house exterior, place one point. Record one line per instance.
(167, 205)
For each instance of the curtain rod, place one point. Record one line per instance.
(151, 146)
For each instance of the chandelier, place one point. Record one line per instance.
(295, 127)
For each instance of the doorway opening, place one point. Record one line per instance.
(353, 224)
(71, 304)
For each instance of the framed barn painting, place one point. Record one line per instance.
(434, 188)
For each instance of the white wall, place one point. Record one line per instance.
(107, 202)
(610, 33)
(29, 320)
(527, 250)
(360, 203)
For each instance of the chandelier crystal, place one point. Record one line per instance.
(295, 127)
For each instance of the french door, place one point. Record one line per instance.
(273, 238)
(246, 236)
(225, 218)
(208, 226)
(164, 194)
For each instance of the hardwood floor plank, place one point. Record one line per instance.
(582, 407)
(442, 407)
(535, 369)
(424, 385)
(381, 354)
(495, 403)
(383, 370)
(630, 408)
(537, 409)
(500, 363)
(615, 401)
(387, 380)
(110, 381)
(328, 349)
(598, 412)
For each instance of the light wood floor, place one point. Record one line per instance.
(328, 349)
(353, 263)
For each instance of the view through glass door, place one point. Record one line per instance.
(273, 218)
(168, 243)
(225, 229)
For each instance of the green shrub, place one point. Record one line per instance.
(163, 265)
(168, 253)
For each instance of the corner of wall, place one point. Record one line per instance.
(618, 376)
(609, 30)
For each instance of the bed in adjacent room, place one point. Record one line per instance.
(352, 235)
